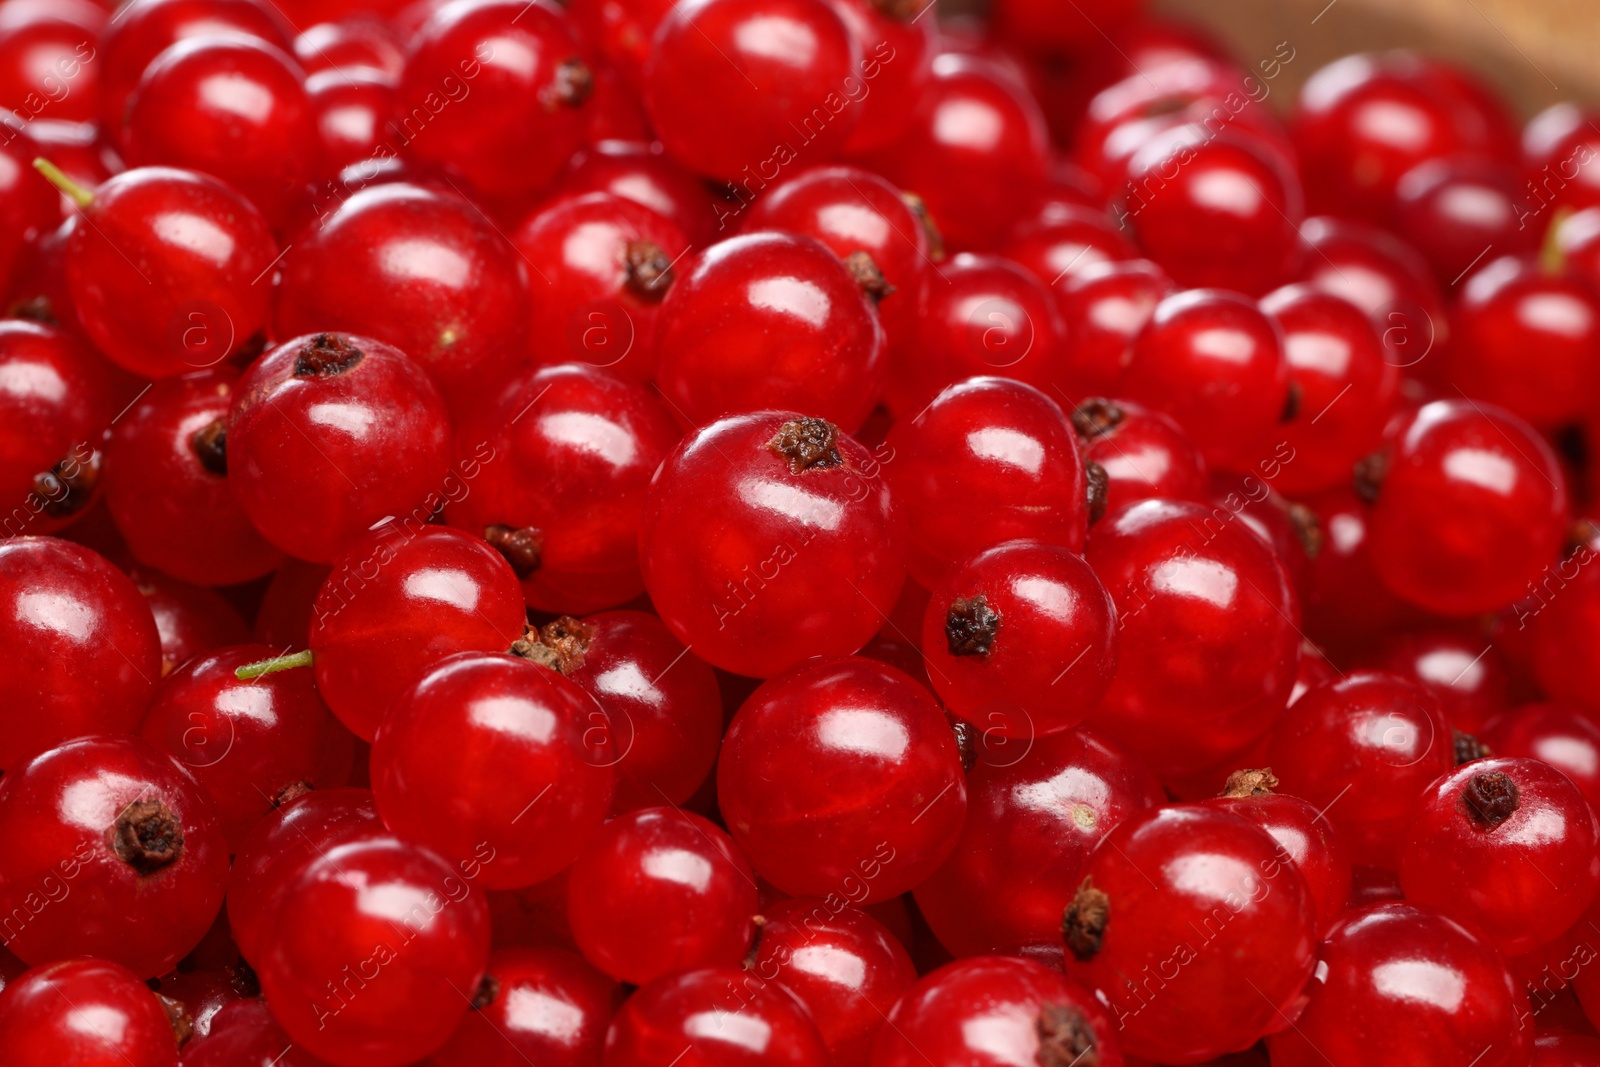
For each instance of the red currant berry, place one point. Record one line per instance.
(349, 46)
(1567, 740)
(657, 891)
(1459, 667)
(897, 46)
(998, 1011)
(49, 57)
(1142, 454)
(1181, 581)
(1174, 902)
(61, 604)
(538, 1005)
(559, 465)
(189, 619)
(1471, 506)
(1035, 810)
(87, 1012)
(881, 803)
(246, 1035)
(350, 108)
(1454, 210)
(642, 172)
(801, 558)
(1406, 977)
(494, 763)
(1565, 1050)
(622, 30)
(29, 208)
(285, 615)
(1103, 308)
(113, 850)
(168, 489)
(418, 268)
(1060, 241)
(1557, 144)
(1362, 750)
(676, 1019)
(202, 994)
(1348, 603)
(373, 953)
(329, 433)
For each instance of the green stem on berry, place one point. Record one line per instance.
(270, 666)
(58, 178)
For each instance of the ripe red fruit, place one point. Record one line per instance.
(29, 209)
(1458, 666)
(93, 1011)
(641, 171)
(1103, 308)
(539, 1005)
(329, 433)
(1450, 998)
(47, 59)
(374, 951)
(1142, 453)
(246, 1035)
(60, 604)
(112, 850)
(802, 557)
(680, 1012)
(1567, 740)
(350, 108)
(1174, 901)
(189, 618)
(881, 803)
(349, 45)
(897, 47)
(1459, 209)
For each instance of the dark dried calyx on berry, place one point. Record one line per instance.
(326, 355)
(67, 487)
(648, 269)
(178, 1015)
(146, 836)
(966, 736)
(758, 926)
(487, 993)
(1291, 403)
(1370, 473)
(1490, 797)
(573, 84)
(1065, 1038)
(971, 626)
(1084, 924)
(1250, 783)
(1308, 529)
(868, 276)
(1097, 417)
(1098, 489)
(210, 444)
(1469, 748)
(903, 10)
(807, 444)
(930, 229)
(290, 792)
(560, 644)
(521, 547)
(34, 309)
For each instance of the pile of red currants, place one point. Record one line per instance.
(812, 533)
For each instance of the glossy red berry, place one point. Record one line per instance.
(496, 764)
(202, 994)
(350, 108)
(29, 208)
(374, 952)
(495, 90)
(1565, 739)
(1458, 210)
(1175, 900)
(803, 557)
(881, 803)
(49, 66)
(538, 1005)
(166, 270)
(418, 268)
(897, 47)
(677, 1016)
(246, 1035)
(1060, 241)
(62, 604)
(771, 320)
(1373, 743)
(84, 1011)
(997, 1010)
(660, 890)
(1022, 641)
(252, 744)
(555, 473)
(622, 30)
(1180, 580)
(1471, 506)
(1459, 667)
(1142, 454)
(190, 619)
(1564, 1050)
(1404, 975)
(1103, 308)
(167, 484)
(1036, 808)
(329, 433)
(1348, 604)
(1507, 848)
(112, 850)
(350, 45)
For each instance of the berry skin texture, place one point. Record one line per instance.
(1176, 905)
(897, 50)
(1469, 679)
(251, 744)
(156, 305)
(883, 797)
(246, 1035)
(842, 963)
(1457, 1000)
(1209, 648)
(189, 619)
(495, 764)
(168, 486)
(1022, 642)
(419, 268)
(769, 320)
(1008, 453)
(1507, 848)
(89, 1012)
(558, 468)
(60, 604)
(402, 599)
(1143, 453)
(1557, 613)
(1372, 741)
(641, 171)
(374, 950)
(111, 849)
(1472, 508)
(1103, 308)
(734, 87)
(1566, 739)
(674, 1020)
(546, 1006)
(661, 890)
(1035, 811)
(803, 556)
(997, 1011)
(329, 433)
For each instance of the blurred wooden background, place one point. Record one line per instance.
(1537, 52)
